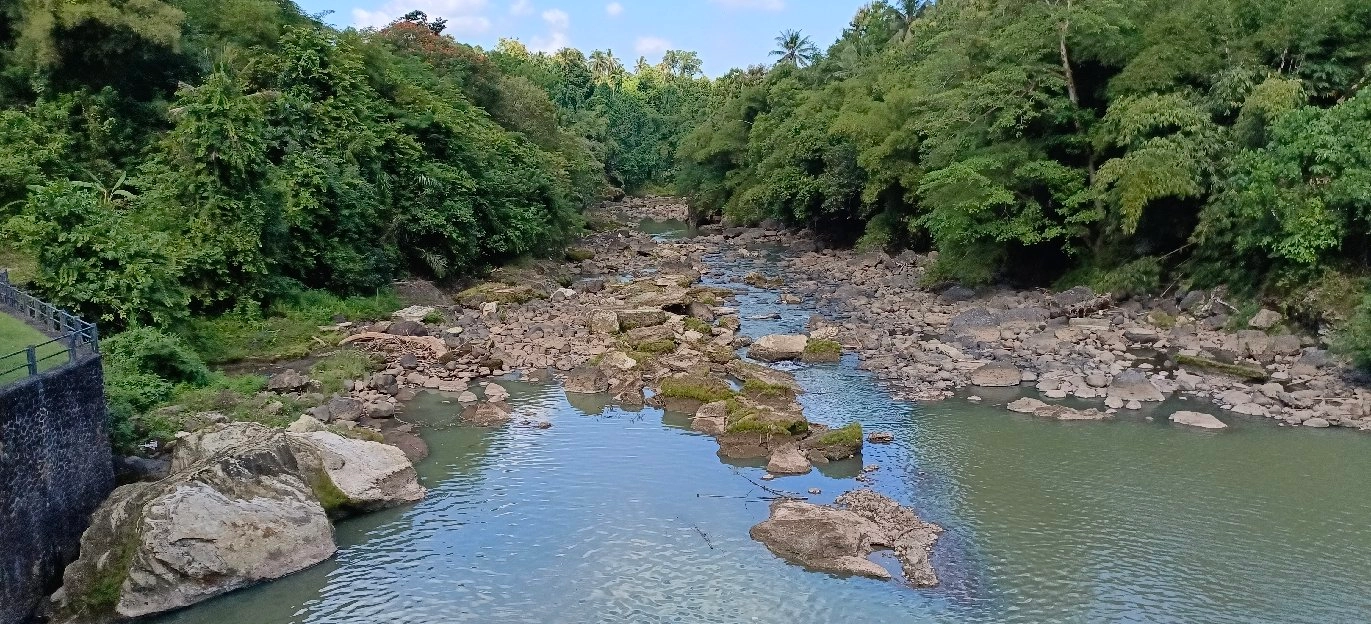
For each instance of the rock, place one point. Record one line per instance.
(955, 294)
(838, 540)
(1113, 402)
(288, 380)
(1096, 380)
(996, 375)
(1090, 323)
(880, 437)
(413, 314)
(563, 294)
(711, 418)
(1197, 419)
(1194, 300)
(407, 328)
(133, 468)
(586, 379)
(777, 347)
(246, 504)
(1317, 422)
(1140, 335)
(1133, 385)
(1250, 409)
(467, 397)
(307, 424)
(1265, 319)
(494, 392)
(1029, 405)
(646, 317)
(381, 410)
(788, 461)
(488, 414)
(700, 311)
(408, 361)
(344, 408)
(369, 476)
(1074, 296)
(617, 360)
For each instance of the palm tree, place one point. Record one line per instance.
(795, 49)
(907, 12)
(604, 67)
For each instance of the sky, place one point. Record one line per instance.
(726, 33)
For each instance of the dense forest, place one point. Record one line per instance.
(1126, 145)
(203, 171)
(169, 158)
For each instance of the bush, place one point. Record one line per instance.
(147, 351)
(288, 329)
(1354, 338)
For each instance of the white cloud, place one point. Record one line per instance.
(614, 9)
(521, 8)
(764, 5)
(556, 38)
(651, 45)
(463, 16)
(556, 19)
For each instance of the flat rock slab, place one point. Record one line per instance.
(1197, 419)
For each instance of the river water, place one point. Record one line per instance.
(628, 516)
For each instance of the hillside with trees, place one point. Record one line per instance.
(1126, 145)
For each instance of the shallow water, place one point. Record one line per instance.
(629, 516)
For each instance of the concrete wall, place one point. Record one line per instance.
(55, 469)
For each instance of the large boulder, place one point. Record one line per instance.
(839, 539)
(245, 504)
(603, 322)
(1133, 385)
(1197, 419)
(586, 379)
(788, 460)
(642, 317)
(488, 414)
(288, 380)
(996, 375)
(777, 347)
(1265, 319)
(1030, 405)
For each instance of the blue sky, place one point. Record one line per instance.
(726, 33)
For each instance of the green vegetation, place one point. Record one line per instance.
(287, 330)
(345, 365)
(746, 419)
(331, 498)
(694, 324)
(578, 254)
(15, 337)
(704, 390)
(757, 388)
(822, 351)
(848, 435)
(1127, 146)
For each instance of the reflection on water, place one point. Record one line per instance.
(615, 516)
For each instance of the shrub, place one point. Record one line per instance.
(148, 351)
(698, 389)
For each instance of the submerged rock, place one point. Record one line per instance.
(245, 504)
(839, 539)
(1133, 385)
(586, 380)
(1029, 405)
(488, 414)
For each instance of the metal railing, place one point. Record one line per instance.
(76, 337)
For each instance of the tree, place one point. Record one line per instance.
(794, 48)
(606, 69)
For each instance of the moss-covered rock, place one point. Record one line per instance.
(822, 351)
(836, 444)
(1250, 373)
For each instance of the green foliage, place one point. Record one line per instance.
(848, 435)
(346, 365)
(152, 352)
(757, 388)
(694, 324)
(1354, 338)
(289, 329)
(697, 389)
(1136, 277)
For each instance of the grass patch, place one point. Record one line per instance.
(697, 389)
(103, 593)
(342, 366)
(1250, 373)
(288, 330)
(1161, 319)
(743, 419)
(1240, 318)
(845, 436)
(762, 389)
(823, 350)
(694, 324)
(434, 318)
(15, 337)
(499, 293)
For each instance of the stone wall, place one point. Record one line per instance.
(55, 469)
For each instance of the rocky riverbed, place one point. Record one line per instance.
(638, 319)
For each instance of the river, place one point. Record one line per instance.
(614, 515)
